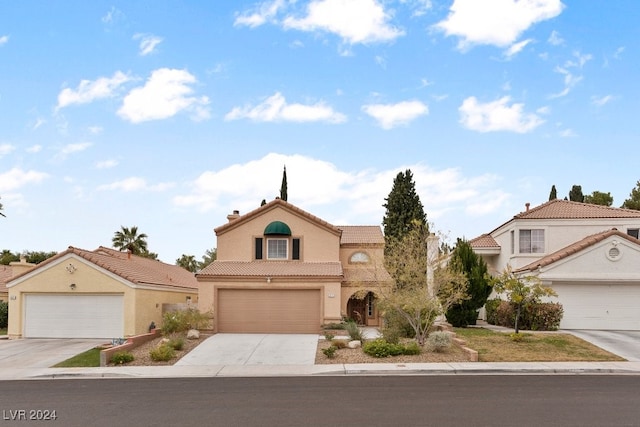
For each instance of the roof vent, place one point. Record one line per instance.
(614, 253)
(526, 205)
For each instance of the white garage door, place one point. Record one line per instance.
(73, 316)
(607, 307)
(269, 311)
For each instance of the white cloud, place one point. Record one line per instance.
(389, 116)
(276, 109)
(601, 100)
(353, 197)
(260, 14)
(88, 91)
(135, 184)
(95, 129)
(570, 79)
(555, 39)
(34, 148)
(112, 16)
(16, 178)
(568, 133)
(497, 116)
(515, 48)
(497, 22)
(418, 7)
(148, 43)
(166, 93)
(75, 148)
(106, 164)
(355, 21)
(4, 39)
(6, 149)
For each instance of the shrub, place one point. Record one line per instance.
(176, 343)
(543, 316)
(354, 331)
(412, 349)
(330, 352)
(439, 341)
(121, 357)
(382, 348)
(460, 316)
(333, 326)
(162, 353)
(339, 343)
(183, 320)
(4, 314)
(490, 309)
(328, 336)
(396, 327)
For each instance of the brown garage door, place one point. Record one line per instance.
(269, 311)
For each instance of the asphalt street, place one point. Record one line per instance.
(477, 400)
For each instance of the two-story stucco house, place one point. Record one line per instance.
(589, 254)
(281, 269)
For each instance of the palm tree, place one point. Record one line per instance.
(1, 214)
(188, 262)
(129, 240)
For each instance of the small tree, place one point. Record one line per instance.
(188, 262)
(467, 262)
(413, 297)
(599, 198)
(553, 194)
(283, 186)
(633, 202)
(209, 256)
(521, 290)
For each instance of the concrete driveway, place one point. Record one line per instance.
(623, 343)
(254, 349)
(42, 353)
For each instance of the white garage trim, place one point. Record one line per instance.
(73, 316)
(599, 306)
(269, 310)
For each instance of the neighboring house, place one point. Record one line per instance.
(589, 254)
(7, 272)
(281, 269)
(95, 294)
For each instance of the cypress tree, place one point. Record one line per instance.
(553, 194)
(575, 195)
(283, 186)
(633, 202)
(403, 207)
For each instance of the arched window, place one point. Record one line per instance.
(359, 258)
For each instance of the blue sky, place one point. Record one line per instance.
(170, 115)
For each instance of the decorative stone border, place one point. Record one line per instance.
(131, 343)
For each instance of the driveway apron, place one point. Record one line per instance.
(253, 349)
(41, 353)
(623, 343)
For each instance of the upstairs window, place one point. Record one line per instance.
(277, 248)
(634, 232)
(359, 258)
(531, 241)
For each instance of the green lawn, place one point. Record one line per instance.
(88, 359)
(534, 347)
(3, 331)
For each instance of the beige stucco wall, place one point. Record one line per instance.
(317, 243)
(139, 304)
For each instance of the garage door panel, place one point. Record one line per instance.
(73, 316)
(269, 310)
(599, 306)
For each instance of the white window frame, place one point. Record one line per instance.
(276, 251)
(359, 257)
(633, 232)
(536, 241)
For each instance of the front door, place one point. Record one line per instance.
(363, 311)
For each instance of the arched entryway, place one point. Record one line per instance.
(362, 308)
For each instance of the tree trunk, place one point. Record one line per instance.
(517, 318)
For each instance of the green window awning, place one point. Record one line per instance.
(278, 227)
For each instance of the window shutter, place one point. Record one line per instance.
(258, 247)
(296, 249)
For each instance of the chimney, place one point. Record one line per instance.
(526, 205)
(235, 215)
(20, 266)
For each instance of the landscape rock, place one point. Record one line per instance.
(354, 344)
(193, 334)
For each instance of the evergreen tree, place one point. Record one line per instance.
(283, 186)
(633, 202)
(403, 207)
(599, 198)
(553, 194)
(575, 195)
(466, 261)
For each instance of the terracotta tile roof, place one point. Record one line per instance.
(484, 241)
(135, 269)
(361, 235)
(272, 205)
(576, 247)
(564, 209)
(272, 269)
(366, 275)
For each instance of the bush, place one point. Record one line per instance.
(381, 348)
(176, 343)
(328, 336)
(490, 309)
(162, 353)
(543, 316)
(183, 320)
(354, 331)
(396, 327)
(121, 357)
(412, 349)
(439, 341)
(4, 314)
(460, 316)
(330, 352)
